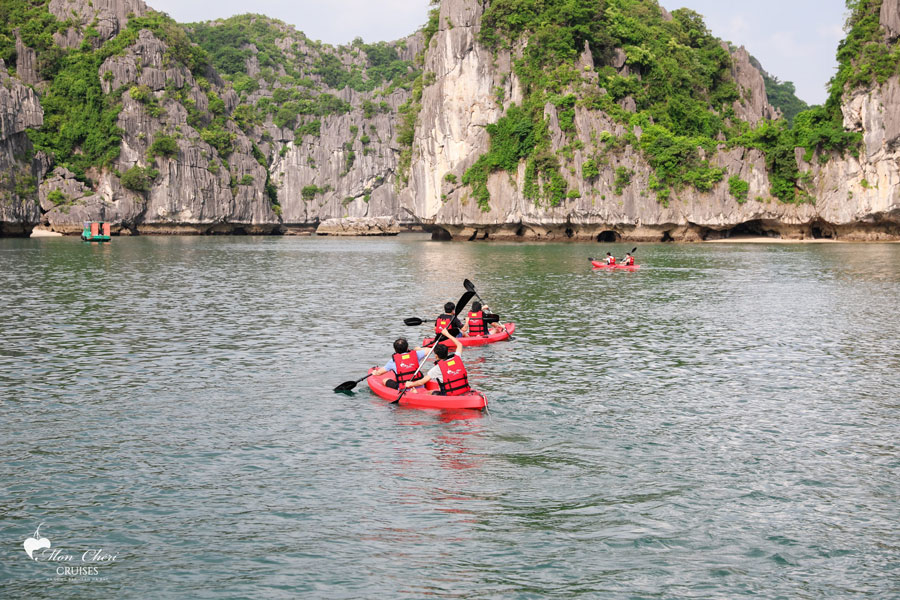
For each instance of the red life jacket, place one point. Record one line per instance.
(443, 322)
(455, 379)
(629, 260)
(406, 365)
(611, 260)
(476, 323)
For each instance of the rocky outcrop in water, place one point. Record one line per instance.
(856, 199)
(859, 197)
(359, 226)
(451, 136)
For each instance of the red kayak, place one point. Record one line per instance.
(422, 398)
(602, 265)
(478, 340)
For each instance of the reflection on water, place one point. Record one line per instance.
(720, 423)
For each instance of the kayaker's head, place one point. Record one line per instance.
(401, 346)
(441, 351)
(476, 306)
(608, 254)
(449, 308)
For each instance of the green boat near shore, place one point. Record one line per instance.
(95, 232)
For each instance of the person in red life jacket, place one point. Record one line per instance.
(628, 261)
(403, 363)
(449, 372)
(475, 324)
(448, 320)
(610, 259)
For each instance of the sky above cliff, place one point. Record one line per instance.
(794, 40)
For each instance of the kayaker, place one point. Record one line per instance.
(403, 363)
(610, 259)
(449, 372)
(449, 320)
(475, 324)
(628, 261)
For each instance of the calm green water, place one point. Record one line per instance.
(722, 423)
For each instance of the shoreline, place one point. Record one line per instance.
(42, 231)
(750, 239)
(761, 239)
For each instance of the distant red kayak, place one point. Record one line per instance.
(478, 340)
(422, 398)
(602, 265)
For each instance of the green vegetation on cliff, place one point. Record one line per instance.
(864, 57)
(278, 48)
(677, 78)
(677, 75)
(782, 95)
(80, 121)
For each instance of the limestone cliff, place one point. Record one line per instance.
(277, 133)
(451, 135)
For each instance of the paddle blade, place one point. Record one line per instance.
(468, 285)
(345, 387)
(463, 301)
(413, 321)
(633, 250)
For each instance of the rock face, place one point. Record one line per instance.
(19, 173)
(450, 135)
(753, 106)
(359, 226)
(890, 18)
(859, 198)
(108, 17)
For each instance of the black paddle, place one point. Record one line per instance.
(464, 299)
(471, 287)
(349, 385)
(489, 318)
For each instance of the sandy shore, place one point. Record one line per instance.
(41, 232)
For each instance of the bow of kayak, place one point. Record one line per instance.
(602, 265)
(419, 398)
(478, 340)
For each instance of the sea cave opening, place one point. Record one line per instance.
(820, 231)
(439, 234)
(751, 228)
(608, 236)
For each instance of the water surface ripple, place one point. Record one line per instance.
(721, 423)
